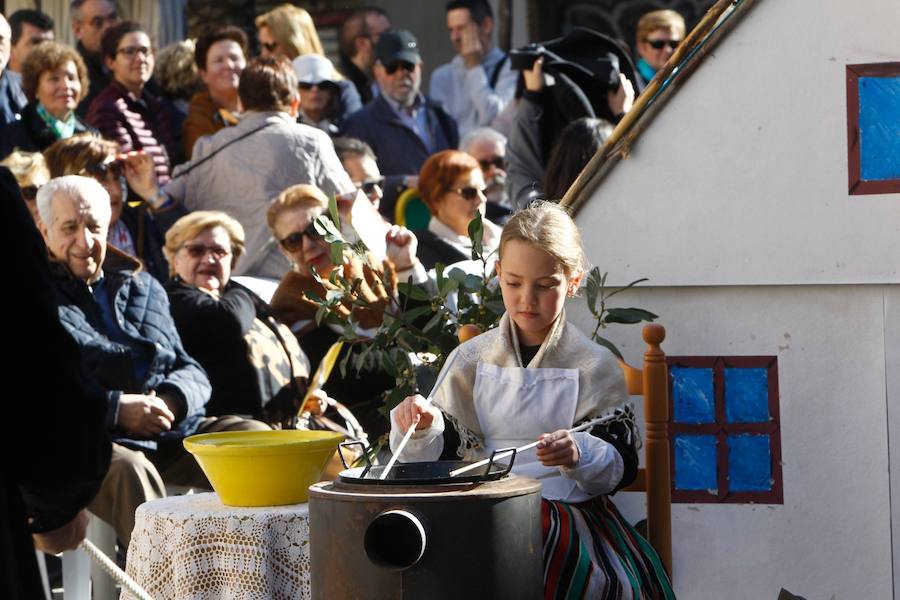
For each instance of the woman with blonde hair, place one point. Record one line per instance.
(291, 218)
(30, 171)
(289, 31)
(254, 363)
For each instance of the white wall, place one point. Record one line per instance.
(742, 177)
(831, 538)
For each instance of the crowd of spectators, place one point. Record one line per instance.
(157, 177)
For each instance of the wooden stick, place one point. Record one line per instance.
(396, 455)
(485, 461)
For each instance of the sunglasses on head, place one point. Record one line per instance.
(29, 192)
(497, 162)
(200, 251)
(400, 64)
(270, 46)
(294, 241)
(469, 193)
(102, 171)
(368, 186)
(660, 44)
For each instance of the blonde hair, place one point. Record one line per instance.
(301, 194)
(176, 71)
(25, 165)
(549, 227)
(293, 28)
(193, 224)
(659, 19)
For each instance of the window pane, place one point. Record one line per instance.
(692, 395)
(695, 462)
(746, 395)
(749, 463)
(879, 127)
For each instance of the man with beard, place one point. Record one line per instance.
(401, 125)
(488, 147)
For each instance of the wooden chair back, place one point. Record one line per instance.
(655, 478)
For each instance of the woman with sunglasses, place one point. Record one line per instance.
(54, 80)
(254, 363)
(658, 35)
(136, 230)
(452, 186)
(126, 111)
(320, 95)
(291, 218)
(289, 31)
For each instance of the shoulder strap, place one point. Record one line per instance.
(495, 75)
(209, 156)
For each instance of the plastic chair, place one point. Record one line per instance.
(410, 211)
(655, 478)
(82, 578)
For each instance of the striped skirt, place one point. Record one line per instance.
(590, 551)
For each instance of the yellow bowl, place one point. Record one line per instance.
(263, 468)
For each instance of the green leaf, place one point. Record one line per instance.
(434, 320)
(414, 291)
(448, 286)
(622, 289)
(333, 295)
(609, 346)
(476, 234)
(333, 210)
(412, 314)
(473, 283)
(628, 316)
(337, 254)
(321, 312)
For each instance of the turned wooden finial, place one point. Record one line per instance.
(654, 334)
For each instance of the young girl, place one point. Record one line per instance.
(534, 377)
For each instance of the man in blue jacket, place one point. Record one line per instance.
(119, 317)
(401, 125)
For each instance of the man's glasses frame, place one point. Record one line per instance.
(368, 186)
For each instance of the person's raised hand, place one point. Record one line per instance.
(140, 172)
(534, 77)
(402, 245)
(621, 100)
(470, 46)
(558, 449)
(144, 415)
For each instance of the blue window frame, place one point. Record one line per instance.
(725, 434)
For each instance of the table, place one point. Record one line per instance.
(193, 547)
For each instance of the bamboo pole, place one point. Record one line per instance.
(651, 100)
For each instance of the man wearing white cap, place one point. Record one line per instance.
(320, 104)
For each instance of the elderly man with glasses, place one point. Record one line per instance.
(119, 317)
(401, 125)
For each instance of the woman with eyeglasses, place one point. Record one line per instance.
(289, 31)
(291, 219)
(136, 230)
(30, 171)
(54, 79)
(126, 111)
(254, 363)
(452, 186)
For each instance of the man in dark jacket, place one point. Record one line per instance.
(12, 98)
(44, 487)
(401, 125)
(90, 20)
(119, 316)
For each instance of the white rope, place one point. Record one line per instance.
(121, 577)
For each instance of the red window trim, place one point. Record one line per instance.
(857, 186)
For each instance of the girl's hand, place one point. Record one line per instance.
(414, 407)
(558, 449)
(534, 77)
(140, 172)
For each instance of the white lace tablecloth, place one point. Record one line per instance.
(193, 547)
